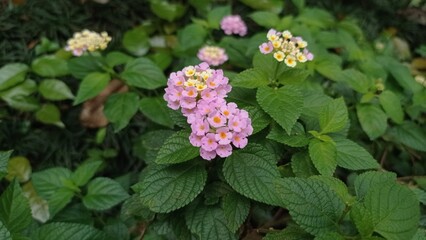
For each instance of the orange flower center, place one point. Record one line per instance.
(222, 135)
(216, 119)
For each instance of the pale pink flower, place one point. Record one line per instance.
(200, 127)
(224, 150)
(239, 141)
(223, 136)
(233, 24)
(208, 142)
(207, 155)
(195, 140)
(266, 48)
(214, 56)
(216, 120)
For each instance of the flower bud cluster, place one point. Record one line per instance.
(285, 47)
(233, 24)
(214, 56)
(200, 94)
(87, 41)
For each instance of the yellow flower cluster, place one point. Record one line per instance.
(87, 41)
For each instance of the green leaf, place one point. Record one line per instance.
(84, 65)
(167, 188)
(312, 204)
(147, 146)
(265, 19)
(392, 106)
(103, 193)
(4, 160)
(143, 73)
(117, 230)
(120, 108)
(85, 172)
(167, 10)
(259, 119)
(352, 156)
(25, 88)
(117, 58)
(274, 100)
(49, 114)
(293, 76)
(251, 172)
(323, 155)
(48, 181)
(136, 41)
(275, 6)
(19, 168)
(395, 219)
(177, 149)
(4, 233)
(329, 69)
(291, 232)
(207, 222)
(337, 186)
(400, 72)
(372, 119)
(50, 66)
(300, 4)
(69, 231)
(191, 38)
(12, 74)
(236, 209)
(362, 219)
(155, 108)
(420, 235)
(330, 235)
(364, 182)
(91, 86)
(59, 200)
(410, 135)
(334, 116)
(250, 78)
(53, 89)
(302, 165)
(268, 64)
(215, 16)
(15, 211)
(23, 103)
(357, 80)
(297, 138)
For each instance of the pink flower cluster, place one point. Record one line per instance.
(212, 55)
(286, 48)
(233, 24)
(200, 93)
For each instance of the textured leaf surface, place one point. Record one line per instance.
(372, 119)
(46, 182)
(85, 172)
(291, 232)
(103, 193)
(352, 156)
(364, 182)
(177, 149)
(259, 119)
(334, 116)
(297, 137)
(302, 165)
(156, 110)
(91, 85)
(356, 80)
(207, 222)
(236, 209)
(4, 160)
(252, 172)
(273, 101)
(167, 188)
(312, 204)
(4, 233)
(394, 209)
(120, 108)
(362, 219)
(337, 186)
(15, 213)
(323, 155)
(69, 231)
(251, 78)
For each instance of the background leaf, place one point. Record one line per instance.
(236, 209)
(323, 155)
(352, 156)
(143, 73)
(91, 86)
(136, 41)
(334, 116)
(103, 193)
(120, 108)
(15, 213)
(155, 108)
(53, 89)
(372, 119)
(71, 231)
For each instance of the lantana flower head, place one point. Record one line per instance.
(212, 55)
(233, 24)
(216, 125)
(87, 41)
(286, 48)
